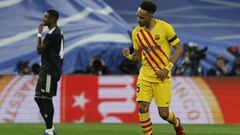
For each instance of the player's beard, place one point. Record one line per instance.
(144, 24)
(141, 24)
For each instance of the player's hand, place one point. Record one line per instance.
(126, 52)
(40, 28)
(162, 74)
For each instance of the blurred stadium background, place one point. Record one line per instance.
(206, 80)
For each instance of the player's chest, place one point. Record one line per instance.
(151, 40)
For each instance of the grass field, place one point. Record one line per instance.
(116, 129)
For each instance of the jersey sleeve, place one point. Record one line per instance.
(136, 46)
(172, 37)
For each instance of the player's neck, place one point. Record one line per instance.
(52, 26)
(152, 24)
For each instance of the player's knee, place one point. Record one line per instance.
(38, 94)
(38, 99)
(143, 107)
(164, 114)
(47, 96)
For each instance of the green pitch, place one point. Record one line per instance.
(116, 129)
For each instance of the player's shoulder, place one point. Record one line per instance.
(57, 31)
(163, 23)
(136, 29)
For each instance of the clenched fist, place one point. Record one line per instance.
(126, 52)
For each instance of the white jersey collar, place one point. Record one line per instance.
(51, 31)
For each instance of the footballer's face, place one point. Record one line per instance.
(143, 18)
(47, 19)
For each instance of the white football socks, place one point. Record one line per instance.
(50, 130)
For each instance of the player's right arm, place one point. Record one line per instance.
(137, 54)
(40, 47)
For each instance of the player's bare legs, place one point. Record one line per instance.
(144, 118)
(170, 117)
(143, 107)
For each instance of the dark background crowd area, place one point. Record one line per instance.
(188, 65)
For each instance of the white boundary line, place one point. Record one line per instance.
(8, 3)
(79, 16)
(104, 37)
(229, 37)
(222, 2)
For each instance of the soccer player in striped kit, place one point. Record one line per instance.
(153, 40)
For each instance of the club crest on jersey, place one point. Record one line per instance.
(157, 37)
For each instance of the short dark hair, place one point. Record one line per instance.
(53, 13)
(148, 6)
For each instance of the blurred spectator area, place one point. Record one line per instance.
(24, 68)
(106, 28)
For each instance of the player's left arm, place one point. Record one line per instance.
(177, 53)
(174, 41)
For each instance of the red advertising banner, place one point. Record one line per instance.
(98, 99)
(111, 99)
(227, 93)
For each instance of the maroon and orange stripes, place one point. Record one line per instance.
(146, 126)
(150, 56)
(155, 57)
(149, 62)
(155, 43)
(147, 131)
(146, 121)
(150, 124)
(149, 45)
